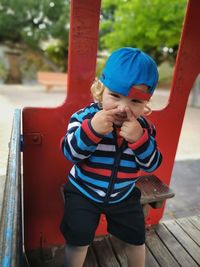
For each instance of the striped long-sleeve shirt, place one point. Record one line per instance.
(103, 171)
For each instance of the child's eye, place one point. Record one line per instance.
(136, 101)
(114, 95)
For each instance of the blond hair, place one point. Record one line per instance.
(97, 90)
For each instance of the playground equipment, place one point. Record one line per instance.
(51, 79)
(44, 167)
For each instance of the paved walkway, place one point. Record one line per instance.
(185, 177)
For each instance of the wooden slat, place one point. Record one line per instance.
(159, 250)
(181, 255)
(150, 260)
(119, 251)
(190, 229)
(185, 240)
(90, 260)
(104, 253)
(195, 220)
(153, 190)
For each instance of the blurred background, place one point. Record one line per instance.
(34, 35)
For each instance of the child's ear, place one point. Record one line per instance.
(147, 110)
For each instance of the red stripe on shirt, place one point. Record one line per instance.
(139, 142)
(127, 175)
(103, 172)
(89, 133)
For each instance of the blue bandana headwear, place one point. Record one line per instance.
(127, 67)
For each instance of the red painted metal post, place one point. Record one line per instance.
(45, 169)
(169, 120)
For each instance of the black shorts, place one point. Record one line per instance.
(125, 220)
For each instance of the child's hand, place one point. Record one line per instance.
(131, 130)
(102, 122)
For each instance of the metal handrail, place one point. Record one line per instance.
(10, 223)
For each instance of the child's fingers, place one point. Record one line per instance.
(123, 134)
(112, 111)
(110, 114)
(130, 115)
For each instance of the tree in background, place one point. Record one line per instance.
(32, 25)
(151, 25)
(41, 26)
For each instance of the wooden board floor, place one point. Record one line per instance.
(170, 244)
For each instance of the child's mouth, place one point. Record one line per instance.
(119, 119)
(121, 116)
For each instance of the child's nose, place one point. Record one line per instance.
(121, 108)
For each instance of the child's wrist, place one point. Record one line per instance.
(140, 141)
(137, 137)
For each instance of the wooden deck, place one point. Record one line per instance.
(170, 244)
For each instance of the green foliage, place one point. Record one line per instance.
(100, 65)
(29, 26)
(33, 22)
(149, 25)
(58, 53)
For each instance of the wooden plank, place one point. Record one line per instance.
(104, 253)
(195, 220)
(181, 255)
(159, 250)
(185, 240)
(119, 251)
(190, 229)
(90, 260)
(153, 190)
(150, 260)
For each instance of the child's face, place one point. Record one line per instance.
(112, 100)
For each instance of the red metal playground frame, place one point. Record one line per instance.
(44, 166)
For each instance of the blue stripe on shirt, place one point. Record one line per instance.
(127, 163)
(102, 160)
(149, 150)
(84, 191)
(92, 181)
(129, 191)
(121, 185)
(154, 166)
(87, 111)
(80, 143)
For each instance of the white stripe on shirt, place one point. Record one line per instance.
(74, 153)
(148, 163)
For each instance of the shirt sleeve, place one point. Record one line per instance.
(80, 140)
(147, 154)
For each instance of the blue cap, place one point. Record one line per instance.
(127, 67)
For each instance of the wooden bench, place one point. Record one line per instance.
(154, 192)
(51, 79)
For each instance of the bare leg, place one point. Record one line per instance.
(75, 256)
(135, 255)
